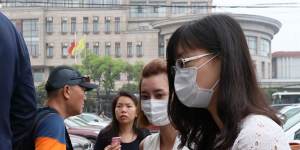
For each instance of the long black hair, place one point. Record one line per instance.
(113, 128)
(238, 92)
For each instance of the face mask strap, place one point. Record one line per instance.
(216, 83)
(207, 61)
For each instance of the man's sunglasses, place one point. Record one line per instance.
(84, 79)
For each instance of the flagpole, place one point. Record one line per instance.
(75, 46)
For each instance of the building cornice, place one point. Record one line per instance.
(271, 23)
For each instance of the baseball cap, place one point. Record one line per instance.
(65, 75)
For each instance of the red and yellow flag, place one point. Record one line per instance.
(71, 48)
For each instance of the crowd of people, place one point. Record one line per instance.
(204, 96)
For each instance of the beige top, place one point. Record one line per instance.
(152, 142)
(259, 132)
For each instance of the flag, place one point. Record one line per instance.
(79, 47)
(71, 48)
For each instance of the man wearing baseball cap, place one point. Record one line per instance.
(66, 89)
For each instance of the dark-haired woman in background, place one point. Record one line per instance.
(215, 102)
(124, 112)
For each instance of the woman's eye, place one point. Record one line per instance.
(144, 97)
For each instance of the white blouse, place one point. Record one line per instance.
(259, 132)
(152, 142)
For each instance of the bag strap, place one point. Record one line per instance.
(41, 115)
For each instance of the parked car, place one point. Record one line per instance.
(290, 114)
(288, 111)
(85, 123)
(278, 107)
(89, 132)
(94, 119)
(81, 143)
(292, 127)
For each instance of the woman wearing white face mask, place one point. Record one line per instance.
(216, 103)
(154, 94)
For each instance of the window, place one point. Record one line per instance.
(49, 50)
(139, 49)
(38, 74)
(85, 24)
(179, 7)
(157, 9)
(96, 48)
(199, 8)
(31, 36)
(95, 24)
(252, 44)
(73, 24)
(64, 51)
(64, 25)
(263, 69)
(117, 49)
(129, 49)
(107, 25)
(49, 24)
(34, 47)
(107, 48)
(161, 52)
(138, 9)
(297, 135)
(117, 25)
(264, 47)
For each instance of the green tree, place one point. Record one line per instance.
(133, 72)
(130, 87)
(41, 94)
(104, 70)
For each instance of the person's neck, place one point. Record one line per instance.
(126, 133)
(167, 136)
(54, 104)
(126, 128)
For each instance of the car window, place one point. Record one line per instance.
(291, 122)
(297, 135)
(290, 113)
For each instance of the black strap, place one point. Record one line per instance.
(68, 140)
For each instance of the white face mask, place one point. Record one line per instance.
(187, 89)
(156, 111)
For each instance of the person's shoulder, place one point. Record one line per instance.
(152, 137)
(142, 132)
(50, 125)
(259, 131)
(259, 122)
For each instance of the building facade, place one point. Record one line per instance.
(128, 29)
(286, 65)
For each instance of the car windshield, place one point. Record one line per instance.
(90, 118)
(291, 122)
(290, 113)
(71, 124)
(78, 121)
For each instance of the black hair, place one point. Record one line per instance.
(238, 92)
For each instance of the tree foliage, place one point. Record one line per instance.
(105, 70)
(41, 94)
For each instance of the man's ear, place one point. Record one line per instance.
(67, 91)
